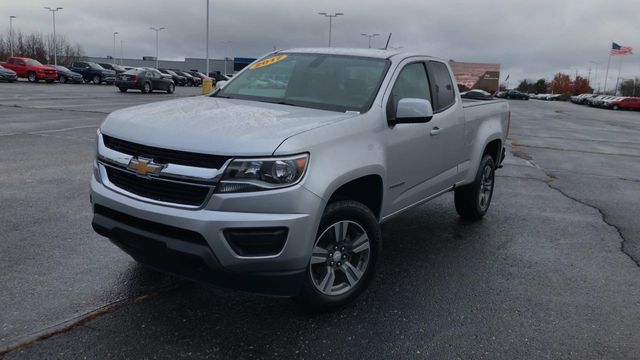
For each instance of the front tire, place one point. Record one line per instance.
(616, 107)
(96, 79)
(344, 257)
(63, 79)
(31, 77)
(123, 89)
(472, 201)
(171, 88)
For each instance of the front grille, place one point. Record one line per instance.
(156, 189)
(165, 156)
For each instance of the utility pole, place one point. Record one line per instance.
(114, 46)
(370, 36)
(226, 54)
(157, 30)
(55, 45)
(595, 77)
(121, 53)
(207, 44)
(330, 16)
(11, 33)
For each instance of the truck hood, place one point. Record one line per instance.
(215, 125)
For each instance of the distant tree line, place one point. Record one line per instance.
(561, 84)
(40, 47)
(630, 87)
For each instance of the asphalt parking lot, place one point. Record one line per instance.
(551, 272)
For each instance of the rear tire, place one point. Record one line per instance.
(344, 257)
(124, 90)
(146, 88)
(616, 107)
(171, 88)
(472, 201)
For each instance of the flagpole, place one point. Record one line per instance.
(606, 76)
(615, 91)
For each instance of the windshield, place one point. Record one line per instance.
(172, 73)
(321, 81)
(34, 62)
(118, 67)
(95, 66)
(60, 67)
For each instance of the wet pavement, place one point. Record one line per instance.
(550, 272)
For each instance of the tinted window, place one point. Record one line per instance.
(442, 86)
(95, 66)
(133, 72)
(19, 62)
(11, 61)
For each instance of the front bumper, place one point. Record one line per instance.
(46, 76)
(163, 236)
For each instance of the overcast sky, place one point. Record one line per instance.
(530, 39)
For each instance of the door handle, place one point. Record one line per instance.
(435, 131)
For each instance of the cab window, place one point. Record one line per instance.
(441, 86)
(412, 82)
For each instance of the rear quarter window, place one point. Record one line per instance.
(442, 86)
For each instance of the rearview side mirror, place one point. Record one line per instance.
(411, 111)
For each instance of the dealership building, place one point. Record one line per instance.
(476, 76)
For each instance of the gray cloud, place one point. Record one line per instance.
(529, 38)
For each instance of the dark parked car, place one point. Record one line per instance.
(191, 80)
(217, 76)
(177, 79)
(7, 75)
(144, 80)
(515, 94)
(65, 75)
(93, 72)
(476, 94)
(197, 74)
(115, 67)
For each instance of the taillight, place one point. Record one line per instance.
(134, 78)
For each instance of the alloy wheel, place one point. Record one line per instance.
(486, 187)
(340, 258)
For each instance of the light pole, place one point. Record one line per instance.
(55, 45)
(157, 30)
(226, 51)
(114, 46)
(121, 52)
(207, 45)
(330, 16)
(11, 33)
(370, 36)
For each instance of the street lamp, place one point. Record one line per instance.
(55, 46)
(207, 40)
(330, 16)
(11, 33)
(370, 36)
(226, 53)
(157, 30)
(114, 46)
(121, 53)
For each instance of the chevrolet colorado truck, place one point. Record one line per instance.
(278, 181)
(31, 69)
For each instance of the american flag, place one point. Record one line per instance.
(620, 50)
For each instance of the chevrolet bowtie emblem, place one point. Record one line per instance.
(144, 166)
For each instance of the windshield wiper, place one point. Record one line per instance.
(287, 103)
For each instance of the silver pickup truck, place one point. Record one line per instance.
(278, 181)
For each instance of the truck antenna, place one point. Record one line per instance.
(388, 39)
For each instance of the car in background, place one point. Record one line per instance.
(586, 99)
(217, 76)
(476, 94)
(599, 100)
(177, 79)
(115, 67)
(191, 80)
(144, 80)
(7, 75)
(577, 99)
(93, 72)
(65, 75)
(515, 94)
(31, 69)
(127, 68)
(605, 103)
(627, 103)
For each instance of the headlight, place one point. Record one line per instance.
(245, 175)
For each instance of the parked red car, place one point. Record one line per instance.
(629, 103)
(31, 69)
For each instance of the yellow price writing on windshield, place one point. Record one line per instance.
(268, 61)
